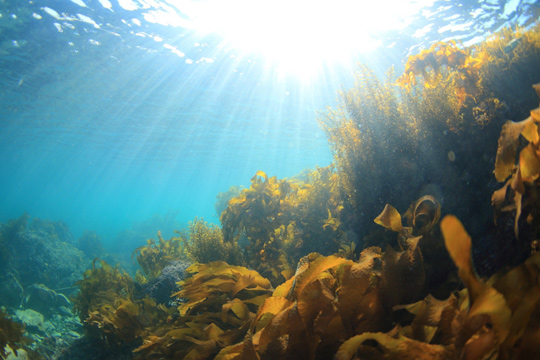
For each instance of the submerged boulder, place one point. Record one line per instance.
(162, 287)
(33, 320)
(11, 291)
(41, 252)
(46, 301)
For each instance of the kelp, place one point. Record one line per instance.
(335, 307)
(422, 215)
(390, 347)
(386, 139)
(127, 321)
(11, 336)
(154, 256)
(110, 307)
(420, 233)
(100, 286)
(328, 300)
(358, 132)
(204, 243)
(219, 302)
(284, 220)
(491, 325)
(489, 319)
(256, 214)
(447, 62)
(223, 198)
(473, 74)
(380, 303)
(514, 56)
(520, 191)
(348, 251)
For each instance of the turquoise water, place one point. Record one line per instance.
(110, 117)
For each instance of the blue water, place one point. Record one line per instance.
(103, 126)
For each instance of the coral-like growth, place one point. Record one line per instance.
(205, 244)
(162, 287)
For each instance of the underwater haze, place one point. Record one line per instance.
(255, 179)
(113, 112)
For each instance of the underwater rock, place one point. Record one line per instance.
(55, 229)
(49, 336)
(11, 291)
(162, 287)
(10, 355)
(39, 254)
(47, 301)
(33, 320)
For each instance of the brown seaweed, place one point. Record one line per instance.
(525, 172)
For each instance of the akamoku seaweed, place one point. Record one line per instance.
(284, 220)
(321, 280)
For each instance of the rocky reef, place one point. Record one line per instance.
(37, 257)
(37, 252)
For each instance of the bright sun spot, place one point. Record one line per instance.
(301, 36)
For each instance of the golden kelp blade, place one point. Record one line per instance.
(332, 222)
(458, 244)
(401, 348)
(483, 299)
(390, 219)
(530, 131)
(529, 164)
(312, 271)
(272, 305)
(427, 212)
(506, 151)
(457, 241)
(261, 174)
(535, 114)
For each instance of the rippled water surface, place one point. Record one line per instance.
(113, 111)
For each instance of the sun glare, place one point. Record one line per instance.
(301, 36)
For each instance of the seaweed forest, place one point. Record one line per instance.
(419, 241)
